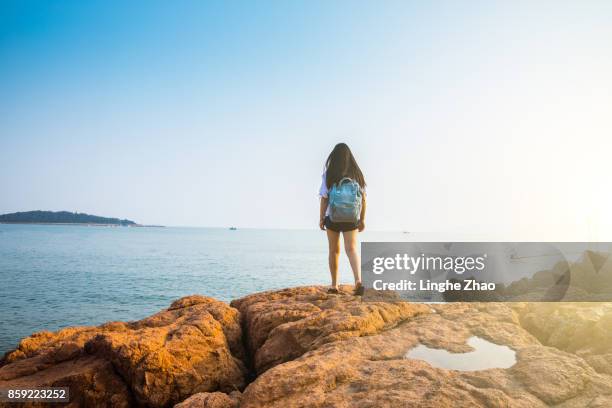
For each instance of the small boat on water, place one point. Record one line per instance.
(233, 228)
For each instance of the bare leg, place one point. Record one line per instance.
(333, 238)
(350, 246)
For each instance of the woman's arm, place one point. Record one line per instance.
(362, 216)
(322, 210)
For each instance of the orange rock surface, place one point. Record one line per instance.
(212, 400)
(193, 346)
(282, 325)
(303, 347)
(373, 371)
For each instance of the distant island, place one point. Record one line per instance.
(62, 217)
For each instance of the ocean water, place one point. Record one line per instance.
(53, 276)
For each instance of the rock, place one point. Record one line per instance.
(50, 344)
(552, 375)
(282, 325)
(211, 400)
(587, 279)
(584, 329)
(91, 380)
(178, 352)
(313, 349)
(193, 346)
(48, 359)
(601, 363)
(371, 370)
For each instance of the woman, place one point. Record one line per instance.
(339, 165)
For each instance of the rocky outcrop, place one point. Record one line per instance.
(282, 325)
(580, 328)
(92, 381)
(374, 371)
(212, 400)
(193, 346)
(303, 347)
(584, 329)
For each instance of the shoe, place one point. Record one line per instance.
(333, 291)
(359, 290)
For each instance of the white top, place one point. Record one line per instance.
(323, 191)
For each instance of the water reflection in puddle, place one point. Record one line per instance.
(485, 355)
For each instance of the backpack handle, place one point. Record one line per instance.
(349, 180)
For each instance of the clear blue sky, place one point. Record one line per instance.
(465, 116)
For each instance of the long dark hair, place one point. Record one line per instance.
(341, 163)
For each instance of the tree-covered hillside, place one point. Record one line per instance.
(60, 217)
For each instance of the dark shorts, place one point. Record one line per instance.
(340, 226)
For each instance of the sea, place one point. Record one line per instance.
(54, 276)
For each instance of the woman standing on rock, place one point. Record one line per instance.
(343, 207)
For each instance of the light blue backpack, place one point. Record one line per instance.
(345, 201)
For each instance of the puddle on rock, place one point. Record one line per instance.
(485, 355)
